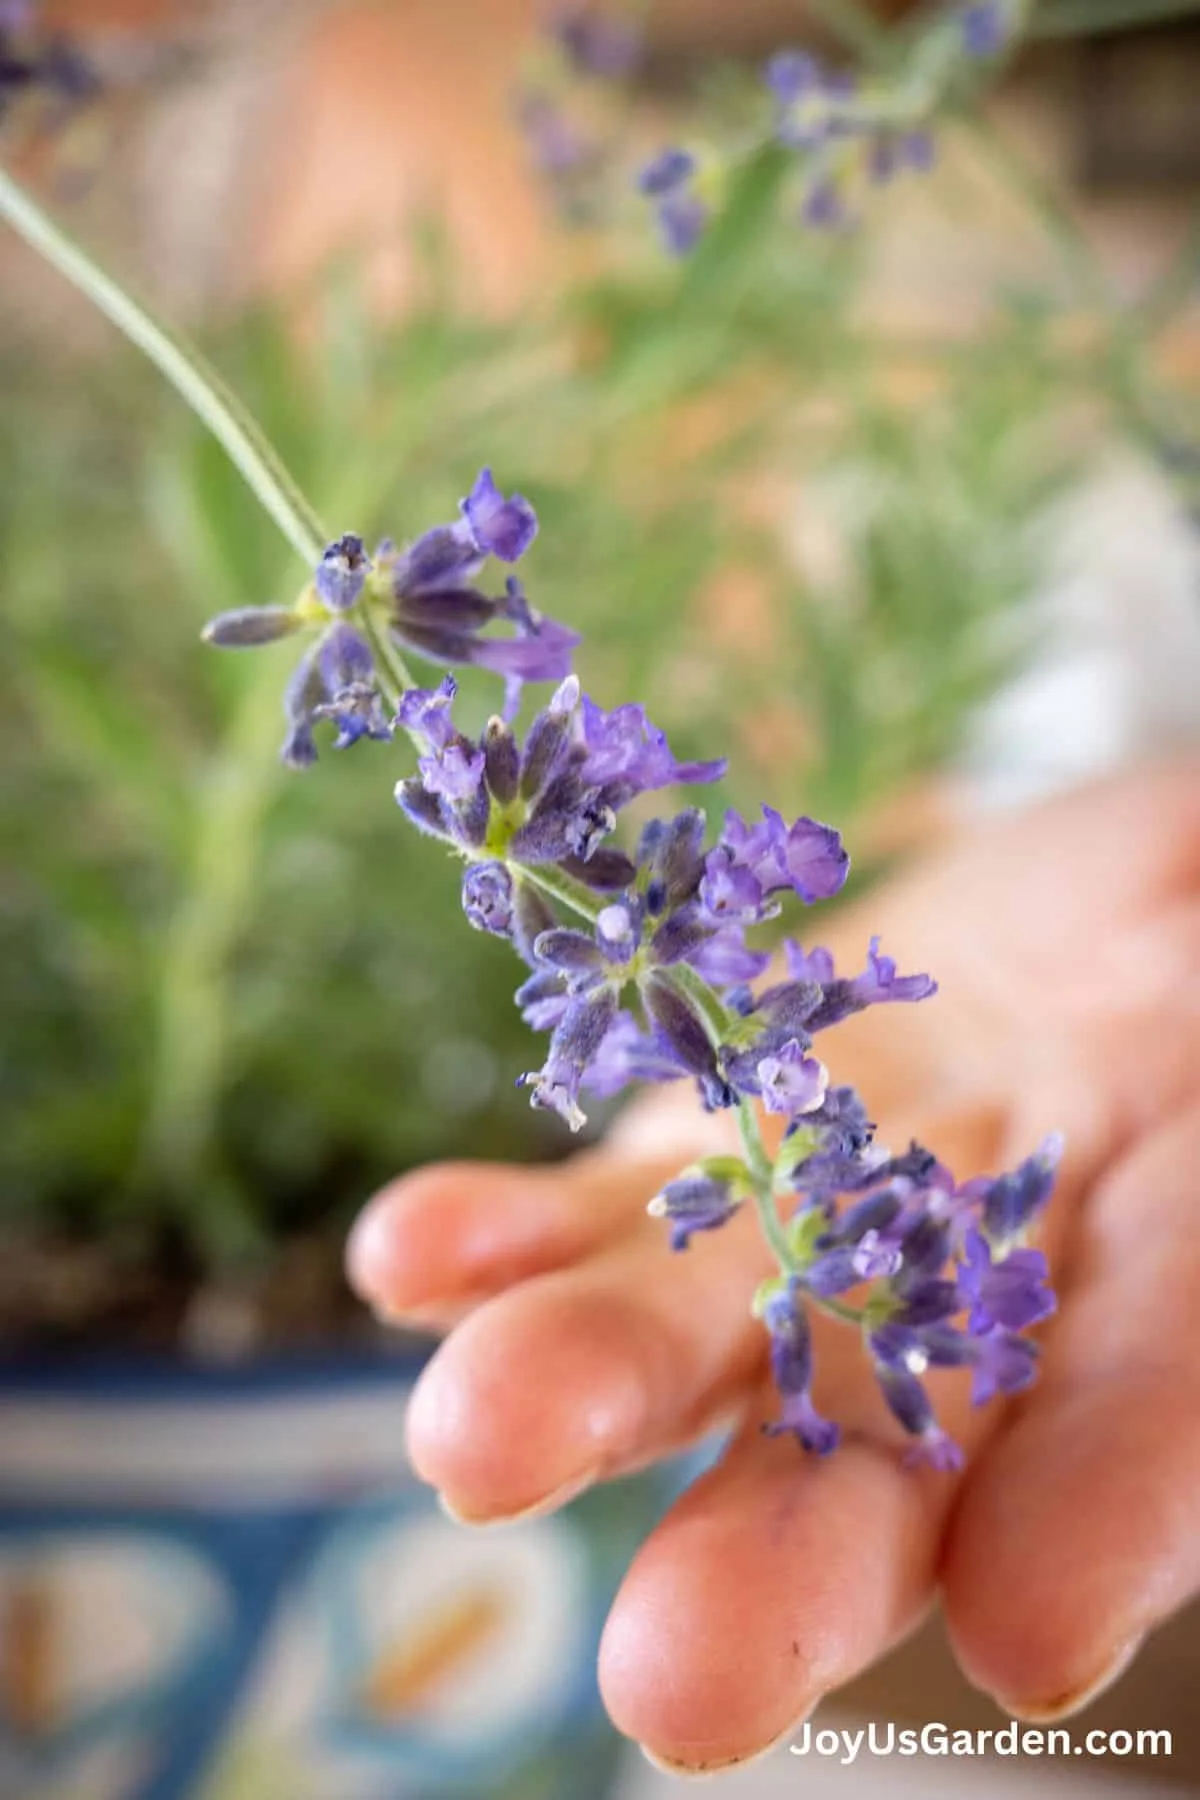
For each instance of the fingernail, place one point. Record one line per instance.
(561, 1496)
(1061, 1706)
(721, 1765)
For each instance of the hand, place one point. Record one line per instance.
(1067, 946)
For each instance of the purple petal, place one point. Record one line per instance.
(502, 528)
(341, 573)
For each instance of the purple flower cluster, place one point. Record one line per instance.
(942, 1276)
(425, 599)
(840, 133)
(641, 969)
(844, 134)
(671, 182)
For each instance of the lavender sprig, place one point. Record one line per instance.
(638, 964)
(640, 970)
(842, 134)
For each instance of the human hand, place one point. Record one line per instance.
(1067, 947)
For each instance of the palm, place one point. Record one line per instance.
(1067, 945)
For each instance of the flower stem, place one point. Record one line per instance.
(837, 1309)
(198, 385)
(391, 671)
(759, 1165)
(558, 885)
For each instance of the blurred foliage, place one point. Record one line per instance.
(235, 998)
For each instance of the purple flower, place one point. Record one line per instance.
(752, 862)
(681, 1031)
(790, 1080)
(824, 206)
(696, 1201)
(452, 766)
(724, 959)
(1003, 1364)
(791, 74)
(873, 1256)
(1009, 1203)
(626, 755)
(878, 983)
(501, 528)
(425, 713)
(576, 1041)
(455, 771)
(629, 1055)
(439, 612)
(1010, 1291)
(985, 28)
(897, 1365)
(341, 573)
(433, 607)
(812, 104)
(730, 889)
(487, 898)
(808, 857)
(669, 180)
(791, 1365)
(335, 679)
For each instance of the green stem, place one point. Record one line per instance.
(838, 1309)
(199, 386)
(558, 885)
(759, 1165)
(707, 1002)
(177, 1144)
(391, 670)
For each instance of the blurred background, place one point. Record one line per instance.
(904, 517)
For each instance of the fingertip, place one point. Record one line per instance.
(772, 1581)
(496, 1443)
(1073, 1538)
(436, 1234)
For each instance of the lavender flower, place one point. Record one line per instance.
(1009, 1291)
(751, 863)
(425, 598)
(782, 1312)
(487, 898)
(335, 680)
(341, 573)
(1010, 1203)
(671, 182)
(909, 1402)
(701, 1199)
(878, 984)
(811, 103)
(986, 27)
(576, 1040)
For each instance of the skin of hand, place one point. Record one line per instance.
(1067, 945)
